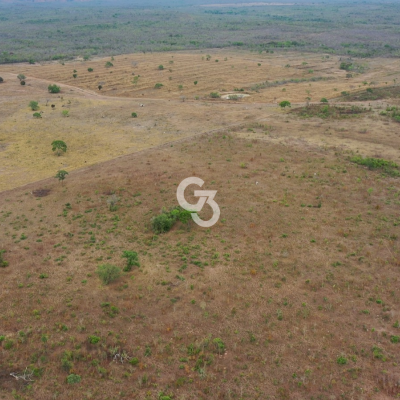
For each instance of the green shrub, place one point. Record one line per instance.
(285, 103)
(161, 67)
(108, 273)
(71, 379)
(165, 221)
(134, 115)
(37, 115)
(395, 339)
(219, 345)
(215, 95)
(162, 223)
(22, 83)
(3, 263)
(53, 89)
(341, 360)
(93, 339)
(389, 167)
(323, 100)
(378, 353)
(158, 86)
(34, 105)
(109, 64)
(66, 361)
(132, 260)
(347, 66)
(134, 361)
(90, 69)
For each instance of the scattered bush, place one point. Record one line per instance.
(389, 167)
(22, 83)
(21, 77)
(134, 361)
(285, 103)
(109, 64)
(37, 115)
(108, 273)
(74, 75)
(165, 221)
(341, 360)
(347, 66)
(132, 260)
(161, 67)
(323, 100)
(112, 202)
(53, 89)
(158, 86)
(3, 263)
(90, 69)
(134, 115)
(219, 345)
(65, 113)
(93, 339)
(34, 105)
(215, 95)
(71, 379)
(395, 339)
(99, 87)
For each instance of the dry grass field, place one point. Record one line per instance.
(293, 294)
(100, 126)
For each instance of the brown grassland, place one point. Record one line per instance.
(293, 294)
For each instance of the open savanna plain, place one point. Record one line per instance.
(293, 294)
(99, 125)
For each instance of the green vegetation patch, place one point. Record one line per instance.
(326, 111)
(388, 167)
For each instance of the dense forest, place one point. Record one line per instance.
(33, 32)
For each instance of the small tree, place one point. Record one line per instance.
(109, 64)
(132, 260)
(323, 100)
(195, 82)
(21, 77)
(34, 105)
(53, 88)
(284, 104)
(90, 69)
(158, 86)
(161, 67)
(37, 115)
(59, 146)
(134, 115)
(99, 87)
(61, 175)
(74, 75)
(215, 95)
(108, 273)
(22, 83)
